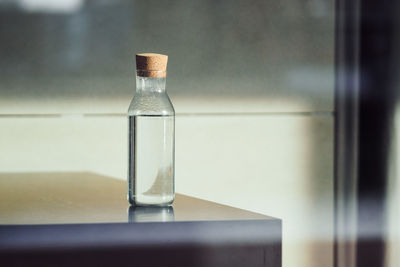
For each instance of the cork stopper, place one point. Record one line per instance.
(151, 65)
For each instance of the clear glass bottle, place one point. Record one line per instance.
(151, 135)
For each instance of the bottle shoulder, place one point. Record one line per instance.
(151, 104)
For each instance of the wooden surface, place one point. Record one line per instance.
(80, 219)
(60, 198)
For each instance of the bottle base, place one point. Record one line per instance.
(155, 201)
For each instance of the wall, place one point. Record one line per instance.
(279, 165)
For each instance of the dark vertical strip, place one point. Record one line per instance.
(377, 106)
(366, 70)
(131, 158)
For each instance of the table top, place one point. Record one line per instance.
(69, 198)
(84, 219)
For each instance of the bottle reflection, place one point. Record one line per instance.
(151, 214)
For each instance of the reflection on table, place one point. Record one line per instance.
(151, 214)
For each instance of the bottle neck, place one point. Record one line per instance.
(150, 84)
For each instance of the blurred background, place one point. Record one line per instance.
(252, 83)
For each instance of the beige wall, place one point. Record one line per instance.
(279, 165)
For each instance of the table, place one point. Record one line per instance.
(84, 219)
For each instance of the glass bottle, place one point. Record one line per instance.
(151, 135)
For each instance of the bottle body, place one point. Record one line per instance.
(151, 120)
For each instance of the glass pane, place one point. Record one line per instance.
(252, 83)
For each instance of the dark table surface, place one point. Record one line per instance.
(84, 219)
